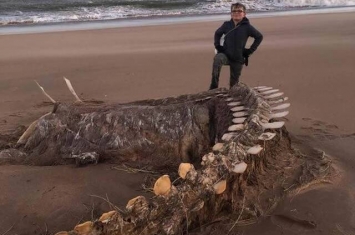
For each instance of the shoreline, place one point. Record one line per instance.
(156, 21)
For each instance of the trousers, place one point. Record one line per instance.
(219, 60)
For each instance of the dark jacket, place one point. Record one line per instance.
(235, 40)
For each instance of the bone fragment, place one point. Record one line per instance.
(255, 149)
(45, 93)
(269, 91)
(220, 187)
(264, 89)
(281, 106)
(106, 216)
(184, 168)
(260, 87)
(84, 228)
(162, 186)
(279, 115)
(240, 168)
(239, 120)
(72, 89)
(218, 147)
(236, 127)
(234, 103)
(237, 108)
(266, 136)
(240, 114)
(272, 125)
(278, 101)
(24, 137)
(228, 136)
(275, 95)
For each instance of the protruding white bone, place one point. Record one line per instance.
(237, 108)
(278, 101)
(281, 106)
(272, 125)
(264, 89)
(228, 136)
(234, 103)
(240, 168)
(279, 115)
(266, 136)
(72, 89)
(255, 149)
(240, 114)
(260, 87)
(269, 91)
(239, 120)
(236, 127)
(274, 95)
(45, 93)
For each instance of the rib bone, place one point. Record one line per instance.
(272, 125)
(273, 95)
(240, 114)
(237, 108)
(278, 115)
(269, 91)
(281, 106)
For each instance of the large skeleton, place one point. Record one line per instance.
(221, 141)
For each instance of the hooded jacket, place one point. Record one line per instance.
(236, 39)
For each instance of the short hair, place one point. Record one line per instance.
(237, 5)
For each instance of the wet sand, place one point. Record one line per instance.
(309, 57)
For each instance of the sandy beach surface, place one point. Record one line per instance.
(309, 57)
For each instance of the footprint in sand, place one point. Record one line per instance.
(320, 129)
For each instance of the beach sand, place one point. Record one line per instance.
(309, 57)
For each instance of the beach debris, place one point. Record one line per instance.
(174, 207)
(86, 158)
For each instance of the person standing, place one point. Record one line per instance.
(233, 52)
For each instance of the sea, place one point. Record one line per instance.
(39, 12)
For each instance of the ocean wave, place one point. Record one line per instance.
(50, 11)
